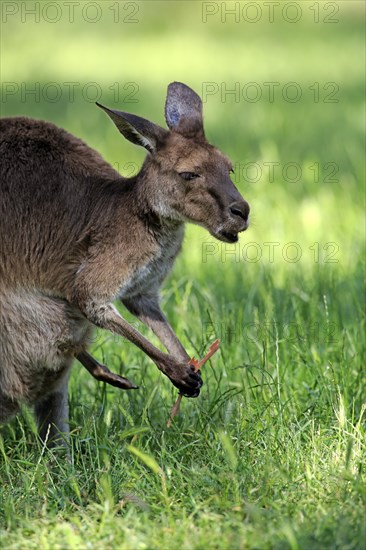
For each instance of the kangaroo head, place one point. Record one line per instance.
(184, 177)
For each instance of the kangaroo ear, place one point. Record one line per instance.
(183, 110)
(137, 129)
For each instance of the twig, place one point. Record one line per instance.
(174, 410)
(197, 365)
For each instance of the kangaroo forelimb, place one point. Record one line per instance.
(147, 310)
(103, 374)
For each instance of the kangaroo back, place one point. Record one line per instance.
(51, 186)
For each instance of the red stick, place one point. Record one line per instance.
(197, 365)
(213, 349)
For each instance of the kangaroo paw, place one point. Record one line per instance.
(103, 374)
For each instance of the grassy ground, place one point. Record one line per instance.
(271, 455)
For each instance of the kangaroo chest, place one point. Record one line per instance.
(149, 273)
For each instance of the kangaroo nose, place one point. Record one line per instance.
(240, 209)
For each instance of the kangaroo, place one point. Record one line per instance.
(76, 236)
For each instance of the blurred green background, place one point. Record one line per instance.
(293, 128)
(287, 301)
(57, 61)
(283, 92)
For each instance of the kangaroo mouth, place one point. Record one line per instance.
(227, 236)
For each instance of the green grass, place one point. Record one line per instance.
(272, 454)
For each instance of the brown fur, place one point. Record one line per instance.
(76, 236)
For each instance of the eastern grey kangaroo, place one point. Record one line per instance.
(76, 236)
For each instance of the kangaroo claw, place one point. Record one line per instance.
(115, 380)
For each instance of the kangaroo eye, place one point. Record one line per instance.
(188, 175)
(232, 171)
